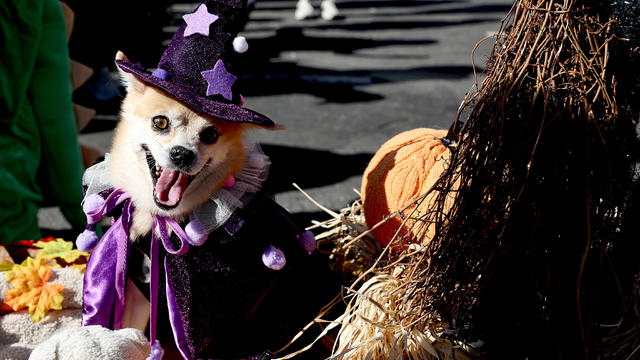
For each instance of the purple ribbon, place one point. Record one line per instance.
(174, 315)
(106, 274)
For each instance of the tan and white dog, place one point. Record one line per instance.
(227, 270)
(168, 158)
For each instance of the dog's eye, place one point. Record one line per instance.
(160, 122)
(209, 135)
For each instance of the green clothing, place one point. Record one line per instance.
(40, 158)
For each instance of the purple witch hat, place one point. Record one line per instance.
(196, 67)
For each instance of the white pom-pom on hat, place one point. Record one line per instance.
(240, 44)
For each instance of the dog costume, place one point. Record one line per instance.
(234, 280)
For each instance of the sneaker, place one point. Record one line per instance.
(303, 10)
(329, 10)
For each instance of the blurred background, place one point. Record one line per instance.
(341, 87)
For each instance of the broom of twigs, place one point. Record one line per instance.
(347, 241)
(533, 258)
(537, 258)
(376, 323)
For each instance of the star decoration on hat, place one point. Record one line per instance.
(219, 81)
(199, 21)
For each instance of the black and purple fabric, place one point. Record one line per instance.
(196, 67)
(221, 297)
(217, 300)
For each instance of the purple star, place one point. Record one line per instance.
(219, 81)
(198, 22)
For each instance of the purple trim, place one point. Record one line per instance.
(173, 224)
(166, 240)
(153, 286)
(122, 251)
(105, 277)
(113, 200)
(161, 74)
(174, 316)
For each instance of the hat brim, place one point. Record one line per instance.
(224, 111)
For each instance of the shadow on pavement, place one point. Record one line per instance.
(365, 4)
(489, 8)
(310, 168)
(293, 39)
(337, 86)
(263, 77)
(399, 25)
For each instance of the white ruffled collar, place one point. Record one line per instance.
(226, 201)
(221, 205)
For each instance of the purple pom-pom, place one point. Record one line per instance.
(197, 234)
(87, 240)
(92, 202)
(308, 241)
(273, 258)
(161, 74)
(156, 351)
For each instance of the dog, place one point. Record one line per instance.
(186, 200)
(169, 158)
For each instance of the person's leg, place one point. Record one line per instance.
(304, 10)
(329, 9)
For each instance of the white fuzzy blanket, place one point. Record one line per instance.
(59, 335)
(19, 335)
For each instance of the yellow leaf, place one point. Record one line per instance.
(6, 265)
(31, 289)
(80, 267)
(50, 298)
(60, 249)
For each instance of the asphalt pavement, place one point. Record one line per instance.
(343, 87)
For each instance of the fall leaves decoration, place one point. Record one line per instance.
(32, 290)
(30, 279)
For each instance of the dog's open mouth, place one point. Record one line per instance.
(168, 185)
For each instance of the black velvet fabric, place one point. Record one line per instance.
(233, 306)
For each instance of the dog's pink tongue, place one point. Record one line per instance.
(170, 186)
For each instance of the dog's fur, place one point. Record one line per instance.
(293, 294)
(129, 169)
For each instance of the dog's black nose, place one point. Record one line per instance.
(182, 157)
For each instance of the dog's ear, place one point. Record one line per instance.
(254, 126)
(130, 82)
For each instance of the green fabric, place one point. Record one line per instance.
(39, 153)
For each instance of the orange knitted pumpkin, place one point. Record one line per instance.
(403, 169)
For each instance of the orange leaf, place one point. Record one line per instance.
(49, 299)
(31, 289)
